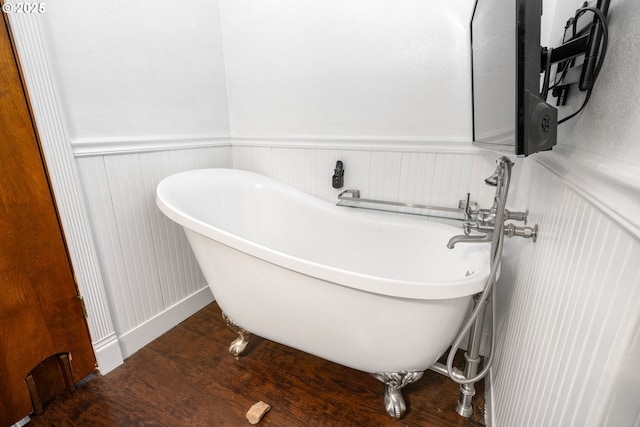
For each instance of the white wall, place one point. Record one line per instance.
(605, 128)
(548, 31)
(609, 127)
(379, 69)
(137, 69)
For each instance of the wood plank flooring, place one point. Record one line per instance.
(187, 378)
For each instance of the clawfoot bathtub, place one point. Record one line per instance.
(376, 292)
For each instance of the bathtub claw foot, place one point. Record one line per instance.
(239, 344)
(393, 383)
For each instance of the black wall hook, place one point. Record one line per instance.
(338, 175)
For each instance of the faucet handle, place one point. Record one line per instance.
(468, 208)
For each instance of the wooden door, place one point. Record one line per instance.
(40, 311)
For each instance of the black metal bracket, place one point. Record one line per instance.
(337, 180)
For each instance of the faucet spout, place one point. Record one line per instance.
(463, 238)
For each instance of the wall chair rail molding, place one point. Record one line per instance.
(337, 142)
(610, 184)
(62, 171)
(86, 147)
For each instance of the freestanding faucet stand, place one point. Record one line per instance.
(472, 361)
(490, 223)
(480, 226)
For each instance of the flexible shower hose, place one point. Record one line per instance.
(504, 178)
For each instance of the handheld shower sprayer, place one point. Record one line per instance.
(491, 222)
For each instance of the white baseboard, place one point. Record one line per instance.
(108, 354)
(135, 339)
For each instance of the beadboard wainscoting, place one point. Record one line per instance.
(569, 315)
(151, 278)
(427, 172)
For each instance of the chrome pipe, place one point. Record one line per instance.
(355, 194)
(439, 368)
(474, 324)
(472, 361)
(351, 198)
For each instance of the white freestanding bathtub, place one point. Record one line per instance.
(377, 292)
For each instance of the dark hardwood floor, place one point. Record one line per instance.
(187, 378)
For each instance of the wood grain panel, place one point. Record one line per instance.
(52, 133)
(40, 313)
